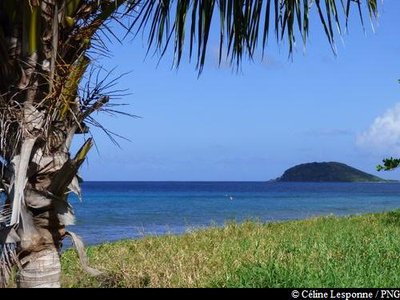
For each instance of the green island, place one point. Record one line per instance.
(327, 172)
(352, 251)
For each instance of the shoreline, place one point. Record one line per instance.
(215, 225)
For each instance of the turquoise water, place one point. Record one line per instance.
(117, 210)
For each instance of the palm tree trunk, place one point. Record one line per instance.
(39, 248)
(42, 270)
(45, 214)
(44, 49)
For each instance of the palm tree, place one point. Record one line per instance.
(45, 49)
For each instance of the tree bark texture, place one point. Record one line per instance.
(42, 270)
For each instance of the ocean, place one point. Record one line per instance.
(112, 211)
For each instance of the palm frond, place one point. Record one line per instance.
(242, 24)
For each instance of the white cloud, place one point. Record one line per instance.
(383, 136)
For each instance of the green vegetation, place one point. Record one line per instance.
(356, 251)
(326, 172)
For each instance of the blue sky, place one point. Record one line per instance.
(253, 125)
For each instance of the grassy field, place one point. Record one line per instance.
(356, 251)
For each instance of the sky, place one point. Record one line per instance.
(254, 124)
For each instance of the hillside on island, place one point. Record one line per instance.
(326, 172)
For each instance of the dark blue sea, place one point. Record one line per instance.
(117, 210)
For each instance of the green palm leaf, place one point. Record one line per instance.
(239, 24)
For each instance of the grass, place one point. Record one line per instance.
(355, 251)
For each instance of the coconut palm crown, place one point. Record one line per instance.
(46, 47)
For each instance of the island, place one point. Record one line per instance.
(326, 172)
